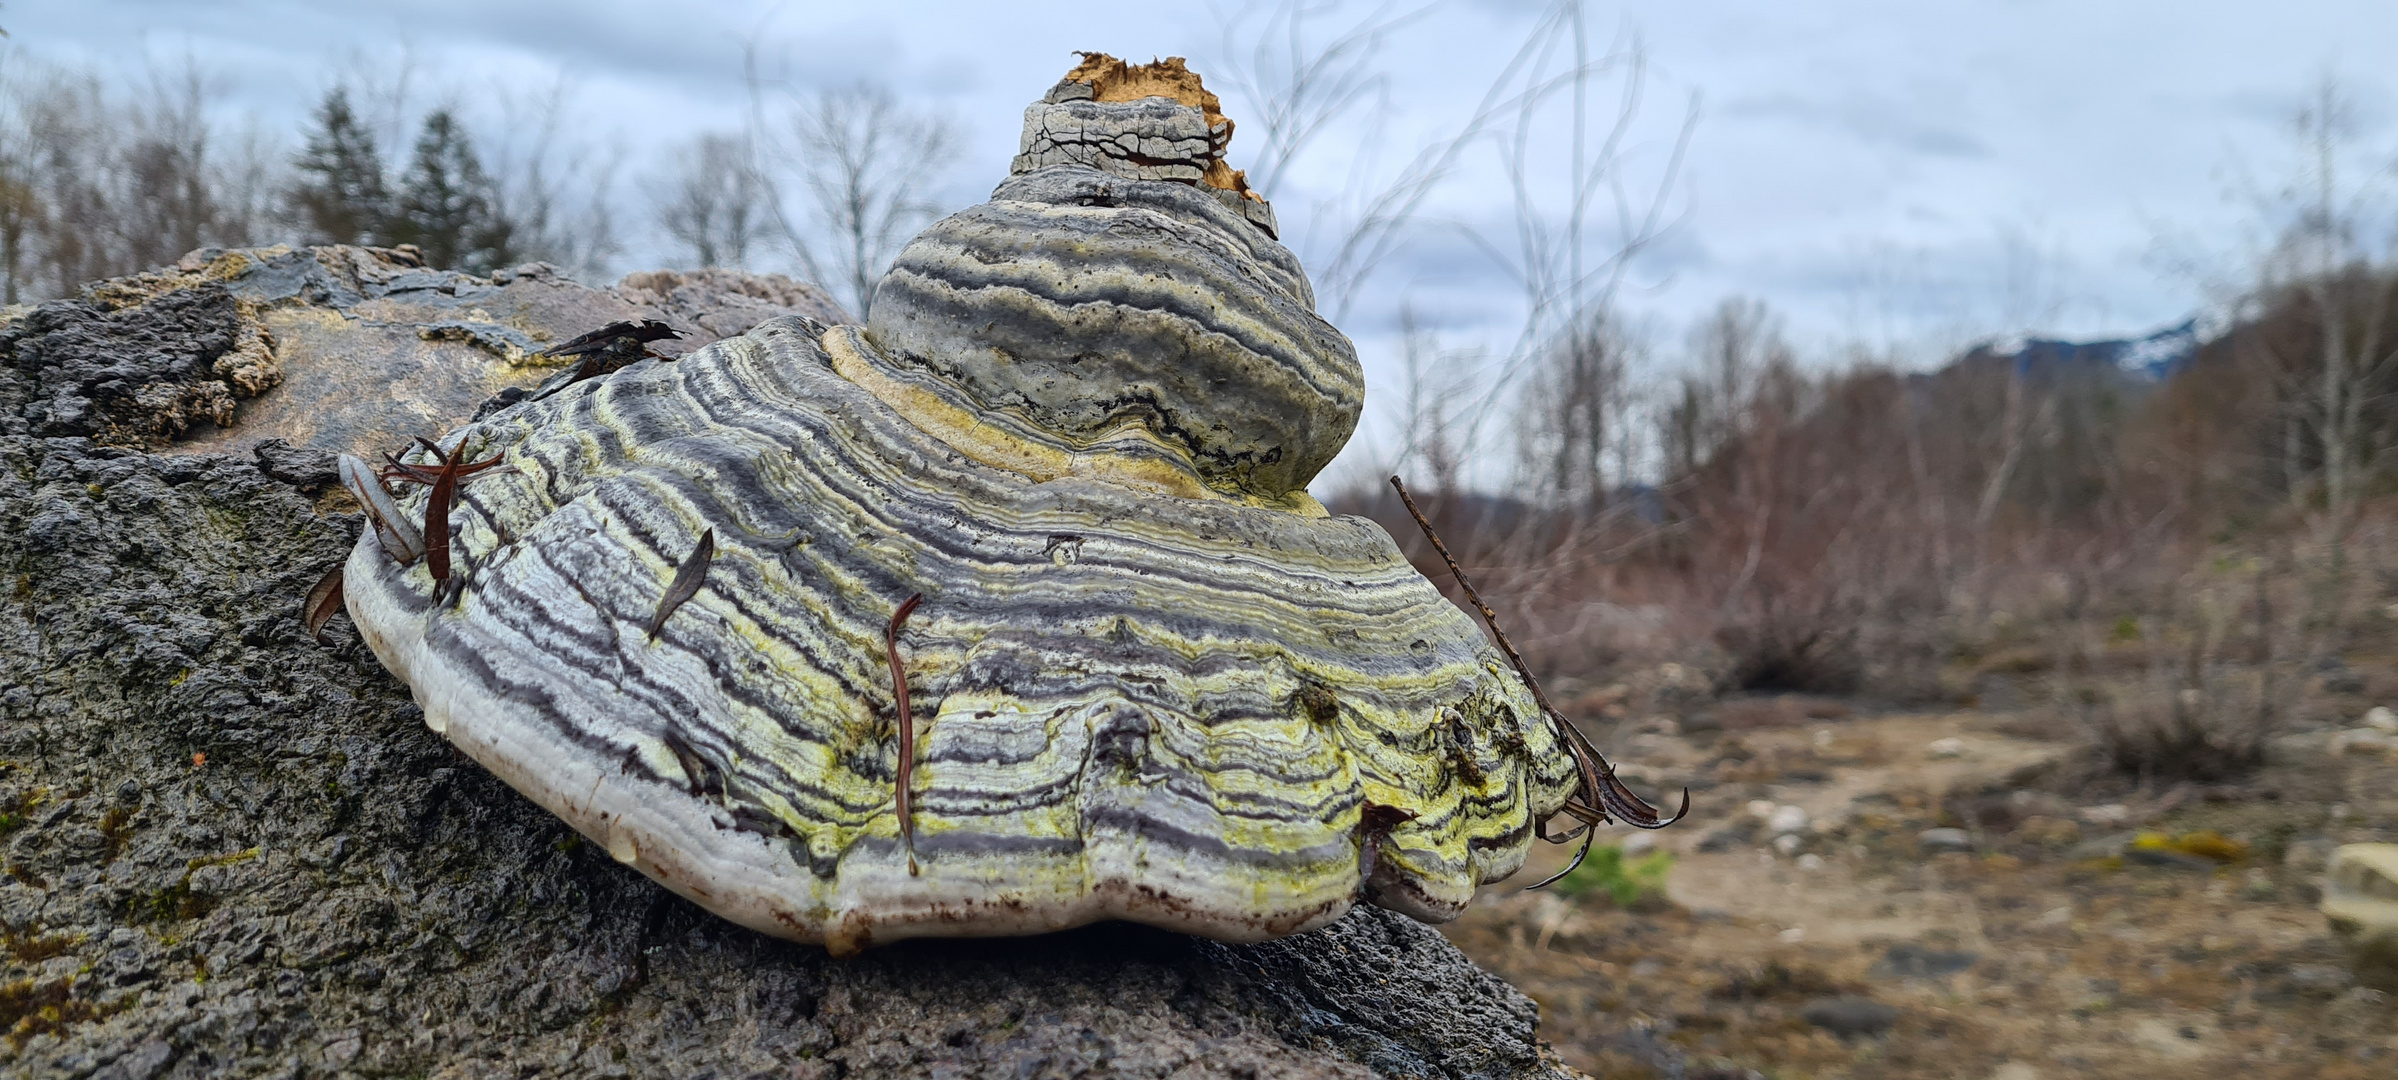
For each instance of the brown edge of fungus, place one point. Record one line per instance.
(1111, 79)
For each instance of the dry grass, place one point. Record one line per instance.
(2079, 966)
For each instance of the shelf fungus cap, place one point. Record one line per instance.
(1056, 485)
(1122, 293)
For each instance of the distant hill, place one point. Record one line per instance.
(2147, 359)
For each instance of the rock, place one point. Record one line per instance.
(1810, 861)
(1907, 960)
(1731, 837)
(2363, 740)
(344, 349)
(1787, 819)
(2381, 719)
(2106, 814)
(1945, 748)
(308, 470)
(308, 881)
(2360, 898)
(1945, 840)
(1788, 844)
(1849, 1017)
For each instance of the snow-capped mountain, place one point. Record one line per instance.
(2149, 358)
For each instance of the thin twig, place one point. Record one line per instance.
(907, 728)
(1489, 618)
(1599, 797)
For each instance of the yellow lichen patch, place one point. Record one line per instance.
(987, 443)
(999, 448)
(2205, 844)
(1111, 79)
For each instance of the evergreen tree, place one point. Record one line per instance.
(342, 196)
(446, 206)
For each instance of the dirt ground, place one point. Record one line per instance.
(2040, 940)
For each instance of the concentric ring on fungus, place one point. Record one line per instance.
(1150, 678)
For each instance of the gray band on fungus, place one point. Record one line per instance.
(1150, 679)
(1077, 304)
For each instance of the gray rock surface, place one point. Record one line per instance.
(342, 348)
(232, 851)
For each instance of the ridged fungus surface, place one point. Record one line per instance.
(1052, 497)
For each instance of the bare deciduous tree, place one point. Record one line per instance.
(854, 173)
(95, 184)
(1572, 428)
(555, 192)
(713, 205)
(2337, 230)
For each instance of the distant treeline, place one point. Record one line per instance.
(100, 180)
(2180, 556)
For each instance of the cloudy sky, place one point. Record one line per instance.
(1905, 174)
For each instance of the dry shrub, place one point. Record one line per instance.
(2217, 667)
(2189, 734)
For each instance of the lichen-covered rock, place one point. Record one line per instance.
(1149, 679)
(92, 371)
(345, 349)
(229, 851)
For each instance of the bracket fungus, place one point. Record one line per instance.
(1147, 678)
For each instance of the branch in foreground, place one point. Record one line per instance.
(1600, 797)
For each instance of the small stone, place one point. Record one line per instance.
(1907, 960)
(2360, 899)
(1946, 839)
(2107, 814)
(1793, 936)
(2363, 740)
(2381, 719)
(1761, 809)
(1722, 840)
(1787, 844)
(1849, 1017)
(1945, 748)
(1787, 819)
(1810, 861)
